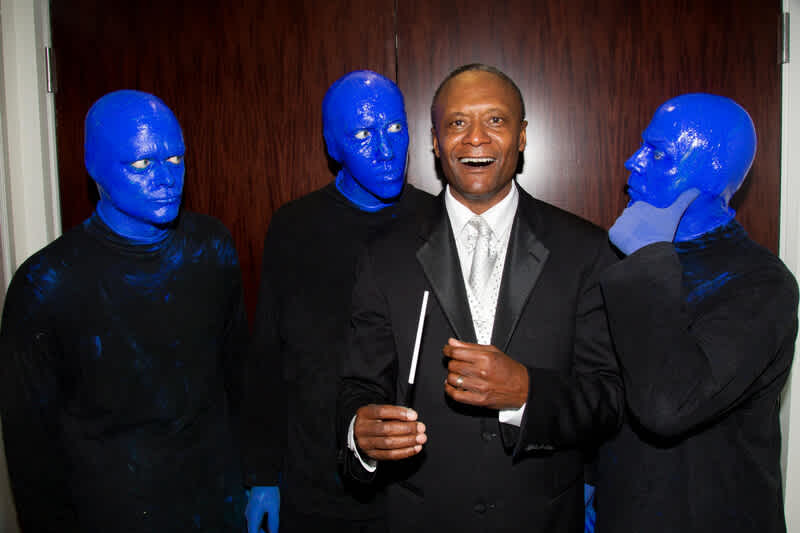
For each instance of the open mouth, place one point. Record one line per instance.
(476, 161)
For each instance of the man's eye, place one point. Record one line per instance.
(141, 163)
(658, 155)
(496, 120)
(395, 127)
(175, 159)
(457, 123)
(362, 134)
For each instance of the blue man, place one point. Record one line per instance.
(121, 345)
(303, 316)
(704, 322)
(134, 151)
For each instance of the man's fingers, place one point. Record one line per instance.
(454, 366)
(394, 455)
(391, 440)
(682, 203)
(466, 382)
(386, 412)
(466, 351)
(395, 442)
(465, 396)
(369, 428)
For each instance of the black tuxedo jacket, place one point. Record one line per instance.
(475, 473)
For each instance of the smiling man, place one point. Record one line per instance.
(120, 345)
(301, 325)
(516, 373)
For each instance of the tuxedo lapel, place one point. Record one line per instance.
(525, 260)
(439, 259)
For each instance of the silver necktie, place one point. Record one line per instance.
(482, 259)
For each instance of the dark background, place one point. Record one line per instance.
(246, 79)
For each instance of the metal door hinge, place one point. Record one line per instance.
(50, 69)
(785, 57)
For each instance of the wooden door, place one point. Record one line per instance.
(592, 74)
(246, 80)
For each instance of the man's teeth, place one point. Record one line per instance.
(476, 160)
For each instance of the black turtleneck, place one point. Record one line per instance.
(120, 371)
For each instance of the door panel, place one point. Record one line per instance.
(592, 74)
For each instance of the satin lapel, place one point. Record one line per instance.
(439, 259)
(525, 260)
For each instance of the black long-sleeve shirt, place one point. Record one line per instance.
(705, 333)
(120, 366)
(301, 329)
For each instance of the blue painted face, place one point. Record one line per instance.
(366, 131)
(134, 151)
(698, 141)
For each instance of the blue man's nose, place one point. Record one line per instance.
(634, 162)
(163, 174)
(384, 147)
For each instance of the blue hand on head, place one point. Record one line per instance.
(694, 141)
(134, 152)
(365, 129)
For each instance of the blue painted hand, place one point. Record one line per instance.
(134, 152)
(641, 224)
(260, 502)
(365, 129)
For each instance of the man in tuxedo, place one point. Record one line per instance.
(704, 321)
(516, 373)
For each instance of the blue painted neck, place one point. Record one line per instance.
(704, 215)
(127, 226)
(358, 195)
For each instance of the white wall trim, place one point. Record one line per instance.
(28, 132)
(30, 214)
(790, 254)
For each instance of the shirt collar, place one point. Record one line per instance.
(499, 217)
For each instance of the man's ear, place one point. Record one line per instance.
(332, 146)
(435, 142)
(523, 139)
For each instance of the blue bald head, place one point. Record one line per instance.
(133, 150)
(700, 141)
(366, 131)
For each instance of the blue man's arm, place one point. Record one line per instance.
(30, 400)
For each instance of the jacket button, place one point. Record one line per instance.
(487, 436)
(479, 508)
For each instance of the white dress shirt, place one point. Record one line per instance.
(500, 218)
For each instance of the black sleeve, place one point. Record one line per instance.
(368, 369)
(30, 402)
(264, 399)
(585, 406)
(682, 373)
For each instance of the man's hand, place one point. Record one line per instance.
(641, 224)
(388, 432)
(261, 502)
(483, 375)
